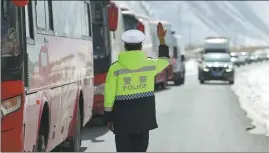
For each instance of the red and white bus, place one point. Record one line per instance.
(107, 50)
(47, 74)
(101, 54)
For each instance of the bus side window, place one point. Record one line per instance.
(49, 15)
(58, 18)
(44, 18)
(40, 14)
(88, 19)
(29, 21)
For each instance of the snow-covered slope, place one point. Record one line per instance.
(198, 19)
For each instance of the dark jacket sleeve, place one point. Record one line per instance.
(109, 116)
(163, 60)
(164, 51)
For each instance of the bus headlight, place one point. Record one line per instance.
(10, 105)
(99, 89)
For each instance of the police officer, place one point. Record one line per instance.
(129, 92)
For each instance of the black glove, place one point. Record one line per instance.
(110, 126)
(109, 120)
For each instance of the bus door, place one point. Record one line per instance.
(101, 49)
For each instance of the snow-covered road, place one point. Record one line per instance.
(252, 88)
(195, 117)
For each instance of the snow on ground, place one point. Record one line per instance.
(252, 88)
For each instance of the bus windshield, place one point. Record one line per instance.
(9, 34)
(11, 58)
(130, 22)
(99, 29)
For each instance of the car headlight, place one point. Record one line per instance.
(233, 59)
(229, 68)
(99, 89)
(205, 68)
(10, 105)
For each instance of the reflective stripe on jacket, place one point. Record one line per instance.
(129, 90)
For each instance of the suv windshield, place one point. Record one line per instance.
(217, 58)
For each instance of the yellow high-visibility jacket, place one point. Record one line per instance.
(129, 90)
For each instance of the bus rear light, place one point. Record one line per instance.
(99, 89)
(140, 26)
(10, 105)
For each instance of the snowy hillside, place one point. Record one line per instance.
(246, 22)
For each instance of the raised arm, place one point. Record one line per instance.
(163, 58)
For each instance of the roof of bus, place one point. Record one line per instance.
(218, 37)
(129, 12)
(122, 6)
(217, 40)
(139, 15)
(157, 21)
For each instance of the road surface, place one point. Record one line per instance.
(191, 117)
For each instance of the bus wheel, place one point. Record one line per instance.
(182, 80)
(40, 146)
(156, 86)
(75, 141)
(177, 82)
(164, 83)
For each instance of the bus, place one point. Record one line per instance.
(47, 74)
(112, 46)
(12, 81)
(105, 52)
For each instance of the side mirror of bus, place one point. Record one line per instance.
(175, 52)
(113, 14)
(140, 26)
(182, 58)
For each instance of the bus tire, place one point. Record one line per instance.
(75, 141)
(164, 83)
(177, 82)
(182, 81)
(41, 144)
(42, 138)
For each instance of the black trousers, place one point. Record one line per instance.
(136, 142)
